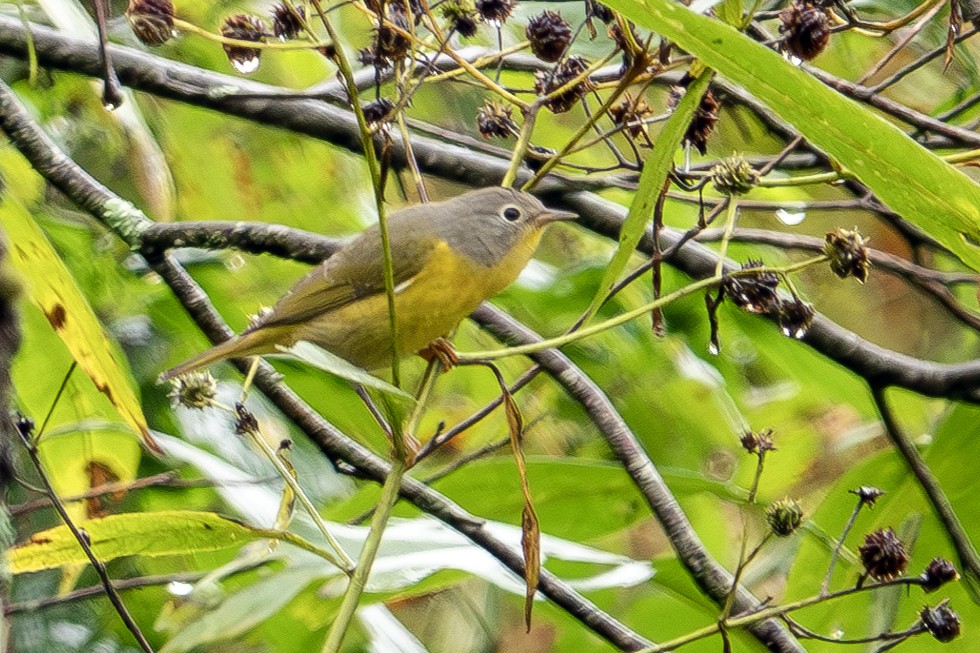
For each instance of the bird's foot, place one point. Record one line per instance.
(442, 350)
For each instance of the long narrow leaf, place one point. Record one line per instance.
(652, 178)
(911, 180)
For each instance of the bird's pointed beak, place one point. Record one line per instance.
(552, 215)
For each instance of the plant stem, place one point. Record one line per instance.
(357, 583)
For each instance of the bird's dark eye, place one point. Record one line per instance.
(512, 213)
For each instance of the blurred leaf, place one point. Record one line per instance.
(174, 532)
(52, 288)
(910, 179)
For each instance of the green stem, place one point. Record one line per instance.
(367, 144)
(357, 583)
(346, 564)
(730, 216)
(521, 146)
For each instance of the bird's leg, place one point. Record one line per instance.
(441, 349)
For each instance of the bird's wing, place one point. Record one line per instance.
(353, 273)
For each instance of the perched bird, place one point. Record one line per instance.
(448, 257)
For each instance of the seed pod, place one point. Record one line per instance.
(546, 82)
(795, 317)
(287, 20)
(152, 21)
(630, 115)
(868, 495)
(378, 111)
(734, 176)
(883, 555)
(549, 35)
(784, 517)
(941, 622)
(756, 293)
(243, 27)
(939, 572)
(493, 120)
(495, 11)
(194, 390)
(461, 16)
(758, 442)
(806, 28)
(847, 253)
(705, 116)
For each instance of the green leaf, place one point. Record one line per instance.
(173, 532)
(911, 180)
(52, 288)
(652, 179)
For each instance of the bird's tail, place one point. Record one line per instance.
(253, 343)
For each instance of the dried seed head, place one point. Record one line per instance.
(939, 572)
(245, 421)
(734, 176)
(868, 495)
(493, 120)
(243, 27)
(287, 20)
(461, 16)
(546, 82)
(193, 390)
(378, 111)
(705, 116)
(495, 11)
(848, 254)
(784, 517)
(152, 21)
(549, 35)
(390, 44)
(601, 11)
(795, 317)
(755, 293)
(806, 27)
(941, 622)
(756, 443)
(630, 114)
(615, 32)
(883, 555)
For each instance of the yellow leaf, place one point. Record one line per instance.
(51, 287)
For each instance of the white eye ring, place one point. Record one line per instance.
(511, 213)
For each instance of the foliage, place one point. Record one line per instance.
(687, 402)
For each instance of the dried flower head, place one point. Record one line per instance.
(806, 29)
(193, 390)
(941, 622)
(549, 35)
(757, 443)
(755, 293)
(868, 495)
(600, 11)
(152, 21)
(378, 111)
(287, 20)
(389, 43)
(784, 517)
(939, 572)
(883, 555)
(705, 116)
(848, 254)
(493, 120)
(734, 176)
(795, 317)
(631, 114)
(546, 82)
(495, 11)
(461, 16)
(243, 27)
(615, 32)
(245, 421)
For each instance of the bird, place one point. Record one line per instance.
(447, 258)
